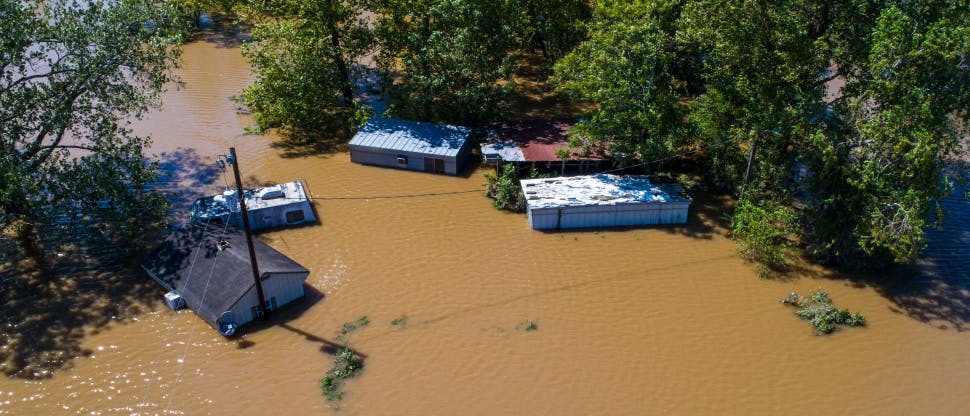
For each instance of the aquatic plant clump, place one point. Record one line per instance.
(817, 308)
(348, 364)
(349, 327)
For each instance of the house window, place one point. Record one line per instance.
(294, 216)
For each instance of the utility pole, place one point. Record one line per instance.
(261, 310)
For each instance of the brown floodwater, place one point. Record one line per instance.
(658, 320)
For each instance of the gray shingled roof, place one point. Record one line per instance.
(411, 136)
(231, 275)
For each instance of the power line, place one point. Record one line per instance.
(191, 266)
(433, 194)
(185, 351)
(361, 198)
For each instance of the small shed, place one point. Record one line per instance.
(274, 206)
(412, 145)
(603, 201)
(208, 267)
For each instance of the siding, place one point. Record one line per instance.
(275, 216)
(286, 287)
(616, 215)
(388, 158)
(380, 141)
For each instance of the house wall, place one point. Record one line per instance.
(388, 158)
(617, 215)
(285, 287)
(274, 216)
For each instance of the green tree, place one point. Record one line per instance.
(762, 84)
(447, 60)
(737, 77)
(304, 59)
(71, 76)
(876, 149)
(551, 27)
(901, 115)
(633, 69)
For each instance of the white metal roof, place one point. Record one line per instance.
(502, 150)
(601, 189)
(411, 136)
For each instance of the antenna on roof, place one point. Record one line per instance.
(222, 164)
(261, 309)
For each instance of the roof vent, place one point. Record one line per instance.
(271, 192)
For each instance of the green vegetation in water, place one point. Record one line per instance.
(348, 364)
(818, 309)
(505, 190)
(763, 235)
(352, 326)
(528, 326)
(400, 321)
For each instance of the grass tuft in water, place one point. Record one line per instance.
(352, 326)
(527, 326)
(400, 321)
(817, 308)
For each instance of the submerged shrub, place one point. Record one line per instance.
(347, 365)
(505, 190)
(762, 235)
(817, 308)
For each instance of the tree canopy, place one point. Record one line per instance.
(71, 77)
(631, 67)
(449, 60)
(305, 58)
(740, 75)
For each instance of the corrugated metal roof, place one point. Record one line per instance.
(599, 189)
(412, 136)
(533, 141)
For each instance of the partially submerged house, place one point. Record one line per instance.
(412, 145)
(603, 201)
(268, 207)
(207, 268)
(536, 143)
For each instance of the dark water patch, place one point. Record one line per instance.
(223, 31)
(935, 289)
(939, 293)
(48, 309)
(185, 176)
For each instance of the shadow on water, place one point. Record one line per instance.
(223, 32)
(49, 309)
(282, 318)
(285, 314)
(326, 346)
(936, 290)
(296, 144)
(185, 176)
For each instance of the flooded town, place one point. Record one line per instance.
(455, 307)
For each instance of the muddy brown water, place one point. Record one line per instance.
(660, 320)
